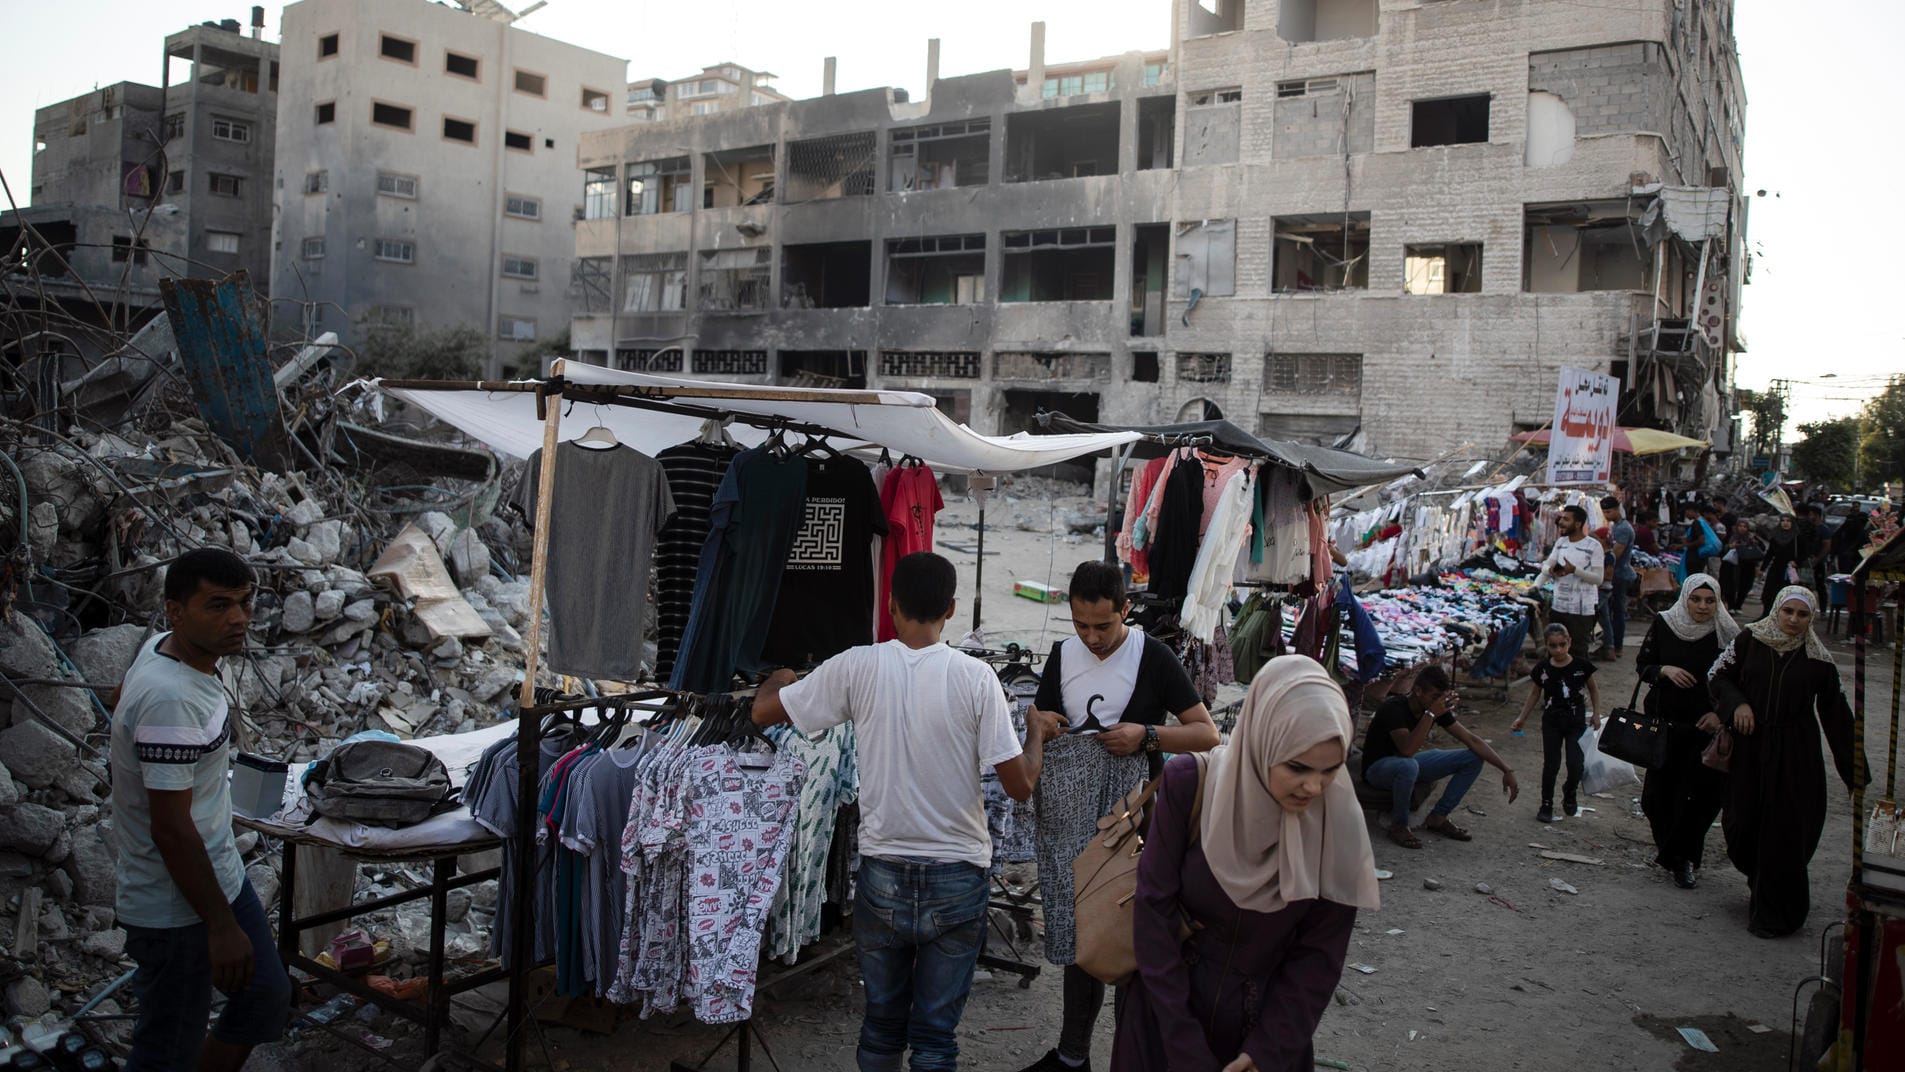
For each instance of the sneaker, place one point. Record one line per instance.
(1569, 806)
(1052, 1062)
(1546, 814)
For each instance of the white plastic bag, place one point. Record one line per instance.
(1601, 772)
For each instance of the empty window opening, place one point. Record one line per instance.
(175, 126)
(930, 364)
(391, 115)
(1157, 132)
(460, 65)
(656, 186)
(1230, 95)
(736, 280)
(1150, 262)
(221, 241)
(738, 177)
(598, 193)
(1021, 415)
(326, 113)
(592, 285)
(827, 275)
(1326, 20)
(327, 46)
(517, 140)
(1585, 245)
(531, 83)
(317, 182)
(1314, 375)
(1045, 366)
(1322, 252)
(823, 368)
(124, 248)
(1203, 368)
(1452, 121)
(395, 250)
(1206, 260)
(1213, 126)
(1215, 17)
(459, 130)
(649, 360)
(397, 48)
(655, 282)
(1072, 264)
(941, 156)
(1452, 268)
(819, 169)
(1062, 143)
(516, 328)
(313, 249)
(595, 100)
(175, 182)
(731, 362)
(515, 267)
(944, 270)
(391, 184)
(525, 208)
(1144, 366)
(227, 185)
(1308, 87)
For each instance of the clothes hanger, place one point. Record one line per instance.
(817, 446)
(599, 437)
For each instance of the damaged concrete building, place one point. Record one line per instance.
(1318, 218)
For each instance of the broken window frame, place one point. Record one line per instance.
(907, 143)
(1210, 98)
(1204, 259)
(735, 280)
(655, 282)
(797, 272)
(1023, 132)
(1199, 367)
(1051, 366)
(1602, 223)
(651, 184)
(967, 287)
(856, 154)
(1426, 267)
(599, 193)
(1314, 375)
(1019, 249)
(1338, 264)
(592, 285)
(738, 170)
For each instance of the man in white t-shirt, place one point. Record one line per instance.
(1576, 565)
(927, 721)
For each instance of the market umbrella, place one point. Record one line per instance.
(1628, 440)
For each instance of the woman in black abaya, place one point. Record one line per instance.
(1683, 796)
(1777, 687)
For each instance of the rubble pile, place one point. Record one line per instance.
(337, 646)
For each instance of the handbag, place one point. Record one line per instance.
(1718, 753)
(1105, 882)
(1634, 735)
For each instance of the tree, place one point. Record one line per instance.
(1882, 437)
(403, 352)
(1826, 455)
(1768, 410)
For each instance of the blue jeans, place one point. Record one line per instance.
(1399, 775)
(1613, 613)
(174, 988)
(918, 926)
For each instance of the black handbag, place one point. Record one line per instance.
(1633, 735)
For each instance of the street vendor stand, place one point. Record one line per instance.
(1871, 1033)
(650, 413)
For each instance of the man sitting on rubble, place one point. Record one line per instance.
(1394, 760)
(191, 918)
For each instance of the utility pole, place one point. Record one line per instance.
(1782, 390)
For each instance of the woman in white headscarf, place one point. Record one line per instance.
(1683, 796)
(1270, 880)
(1776, 686)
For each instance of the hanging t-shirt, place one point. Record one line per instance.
(610, 505)
(694, 475)
(1564, 688)
(910, 500)
(825, 604)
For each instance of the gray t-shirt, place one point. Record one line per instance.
(171, 731)
(611, 503)
(592, 824)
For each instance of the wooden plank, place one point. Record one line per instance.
(219, 326)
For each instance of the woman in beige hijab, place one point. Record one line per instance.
(1269, 881)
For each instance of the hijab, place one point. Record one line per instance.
(1680, 619)
(1263, 856)
(1783, 539)
(1768, 632)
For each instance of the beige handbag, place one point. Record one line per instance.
(1105, 882)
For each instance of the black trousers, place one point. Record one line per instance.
(1561, 733)
(1682, 798)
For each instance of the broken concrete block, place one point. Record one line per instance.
(83, 782)
(439, 527)
(31, 829)
(104, 655)
(300, 613)
(9, 792)
(27, 997)
(330, 604)
(91, 867)
(35, 754)
(308, 512)
(43, 530)
(364, 610)
(108, 944)
(327, 538)
(303, 551)
(469, 557)
(27, 652)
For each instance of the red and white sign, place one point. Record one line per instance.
(1581, 441)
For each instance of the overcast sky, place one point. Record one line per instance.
(1820, 100)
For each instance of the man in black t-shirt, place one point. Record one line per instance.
(1394, 759)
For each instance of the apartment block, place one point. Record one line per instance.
(1387, 224)
(724, 87)
(426, 169)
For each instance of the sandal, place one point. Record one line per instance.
(1449, 830)
(1404, 837)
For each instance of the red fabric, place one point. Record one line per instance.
(1142, 485)
(910, 499)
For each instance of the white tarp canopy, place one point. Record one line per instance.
(904, 422)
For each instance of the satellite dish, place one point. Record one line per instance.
(1199, 409)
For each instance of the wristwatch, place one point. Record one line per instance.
(1151, 740)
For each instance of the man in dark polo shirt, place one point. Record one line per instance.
(1394, 758)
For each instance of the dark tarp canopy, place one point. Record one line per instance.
(1329, 470)
(1884, 565)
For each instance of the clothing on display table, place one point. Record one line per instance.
(610, 505)
(757, 513)
(694, 475)
(824, 604)
(910, 501)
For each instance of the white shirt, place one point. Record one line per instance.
(1112, 680)
(927, 722)
(1578, 592)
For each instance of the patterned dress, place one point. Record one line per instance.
(1081, 782)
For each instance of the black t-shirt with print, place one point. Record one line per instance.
(1563, 688)
(1391, 715)
(825, 603)
(1164, 687)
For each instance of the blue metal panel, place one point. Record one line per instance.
(219, 326)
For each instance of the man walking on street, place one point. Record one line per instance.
(1620, 573)
(1575, 565)
(1393, 757)
(928, 719)
(191, 918)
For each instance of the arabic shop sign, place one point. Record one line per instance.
(1581, 444)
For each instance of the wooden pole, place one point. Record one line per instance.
(522, 878)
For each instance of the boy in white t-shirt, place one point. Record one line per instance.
(928, 720)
